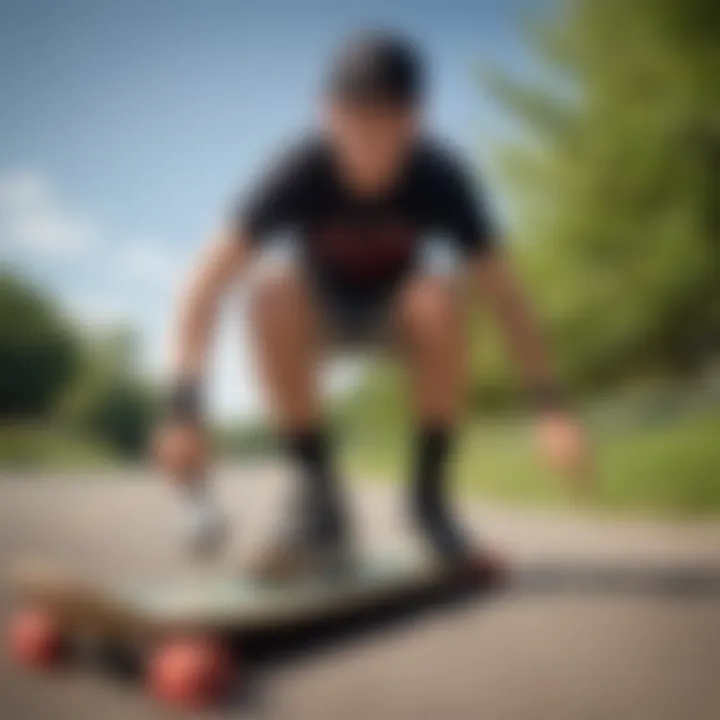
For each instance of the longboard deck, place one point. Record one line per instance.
(224, 603)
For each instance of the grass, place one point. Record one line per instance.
(667, 468)
(653, 458)
(25, 447)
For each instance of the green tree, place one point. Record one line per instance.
(38, 349)
(616, 189)
(110, 401)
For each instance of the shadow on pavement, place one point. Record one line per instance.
(294, 644)
(541, 578)
(553, 577)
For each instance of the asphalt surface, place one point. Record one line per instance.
(601, 619)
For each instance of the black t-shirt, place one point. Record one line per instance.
(358, 245)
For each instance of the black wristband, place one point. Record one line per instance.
(185, 401)
(546, 398)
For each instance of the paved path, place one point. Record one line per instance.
(616, 621)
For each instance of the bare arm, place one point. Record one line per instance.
(560, 433)
(501, 290)
(220, 265)
(180, 444)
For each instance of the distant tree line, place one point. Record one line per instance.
(52, 372)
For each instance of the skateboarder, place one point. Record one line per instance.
(359, 199)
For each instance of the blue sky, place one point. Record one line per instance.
(127, 126)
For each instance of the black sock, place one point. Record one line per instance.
(309, 450)
(430, 491)
(319, 503)
(431, 456)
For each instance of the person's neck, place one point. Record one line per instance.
(366, 185)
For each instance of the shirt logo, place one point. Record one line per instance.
(364, 251)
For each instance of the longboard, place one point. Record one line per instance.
(140, 619)
(220, 603)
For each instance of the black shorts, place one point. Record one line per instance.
(348, 320)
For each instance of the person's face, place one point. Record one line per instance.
(372, 140)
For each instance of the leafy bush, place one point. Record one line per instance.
(39, 351)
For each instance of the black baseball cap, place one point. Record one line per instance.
(378, 67)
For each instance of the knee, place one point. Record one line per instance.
(277, 296)
(430, 305)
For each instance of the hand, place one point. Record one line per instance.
(181, 450)
(564, 444)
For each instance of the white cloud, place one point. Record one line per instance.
(32, 217)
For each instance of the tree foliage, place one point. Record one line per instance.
(110, 401)
(617, 187)
(51, 372)
(38, 350)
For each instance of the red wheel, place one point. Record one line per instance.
(34, 639)
(191, 673)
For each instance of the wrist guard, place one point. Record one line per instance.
(185, 401)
